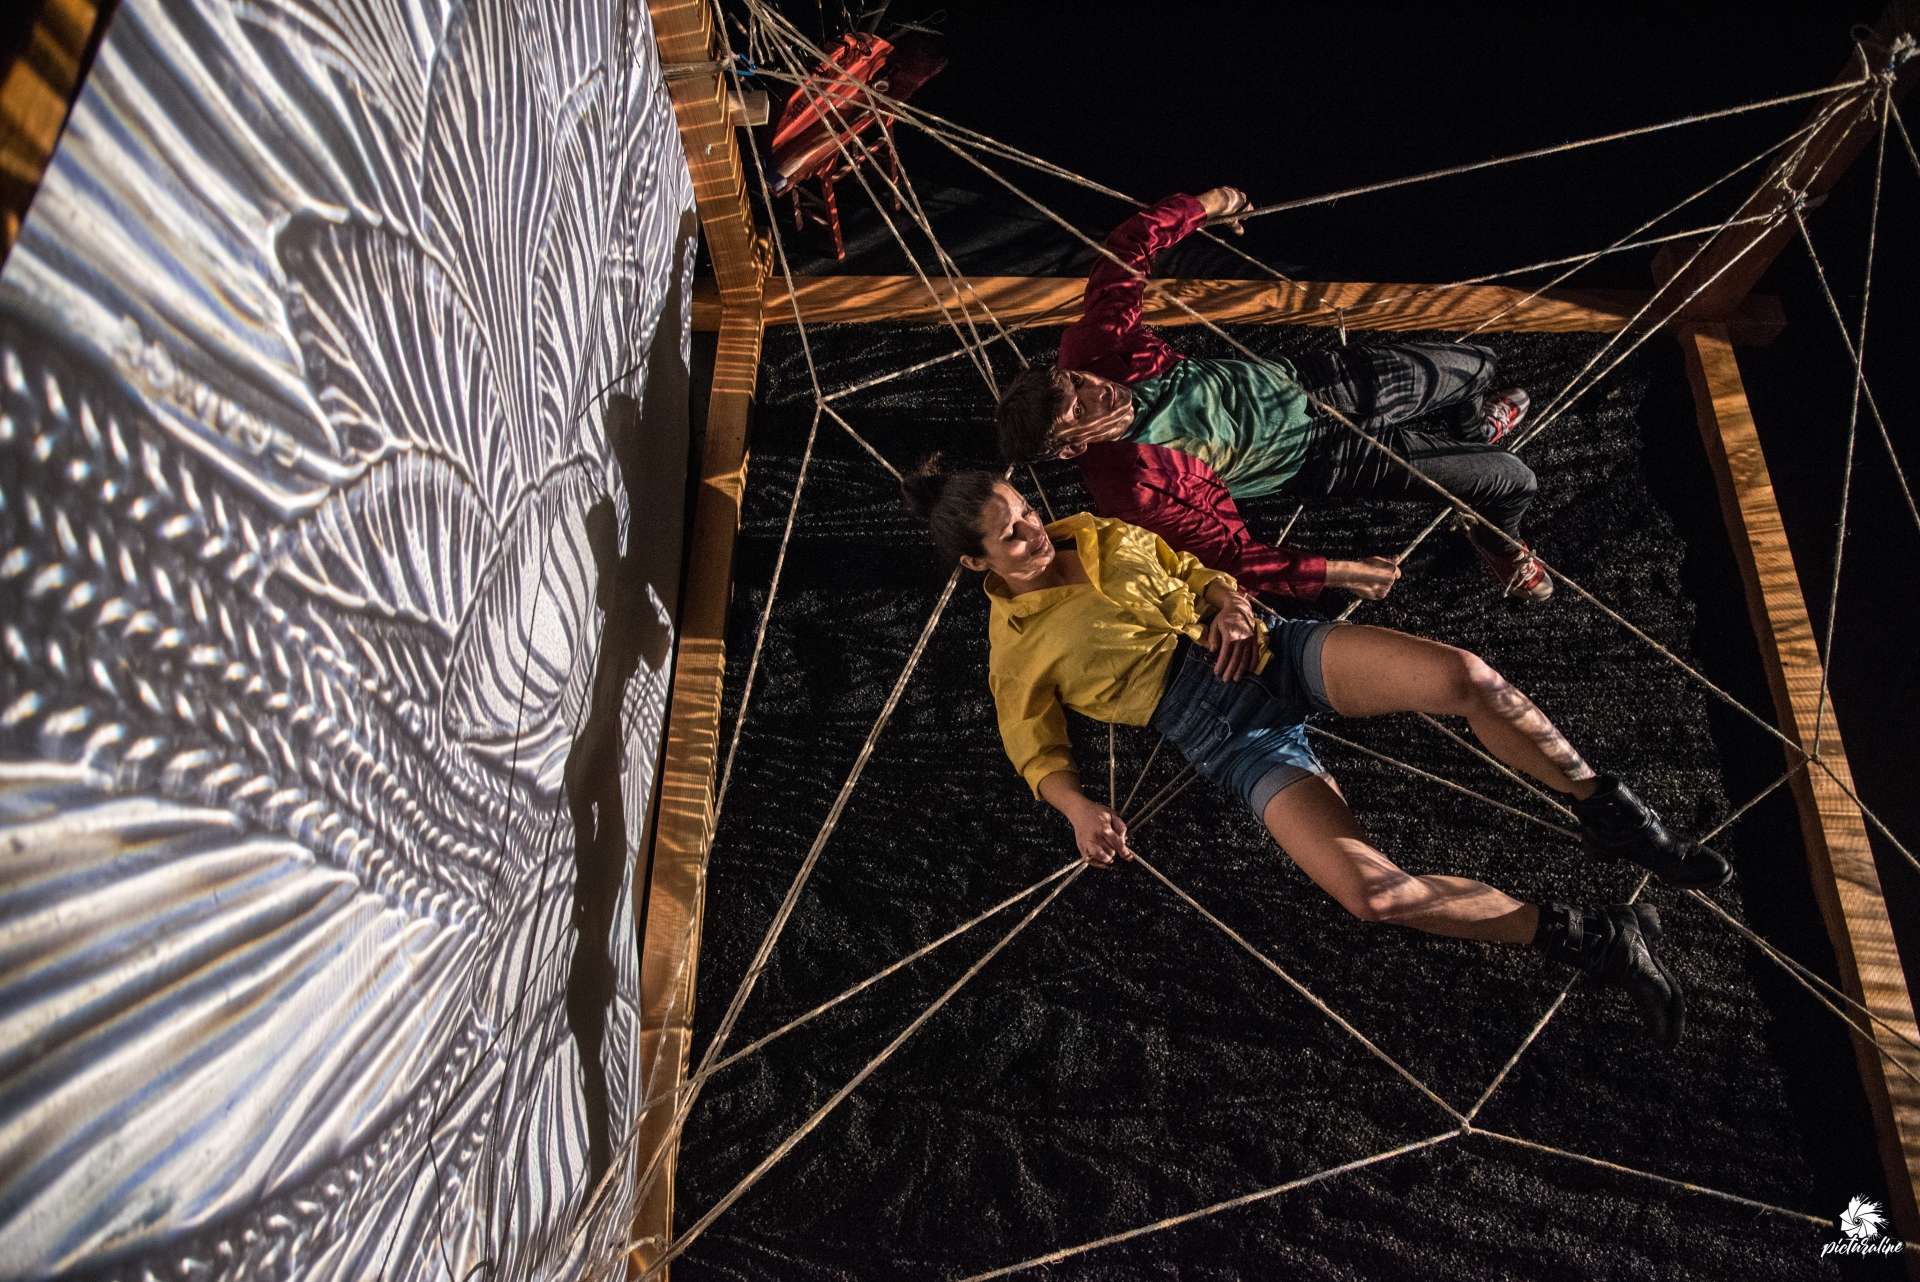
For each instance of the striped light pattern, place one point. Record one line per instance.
(303, 353)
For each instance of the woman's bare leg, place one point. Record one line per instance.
(1372, 671)
(1318, 832)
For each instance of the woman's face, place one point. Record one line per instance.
(1014, 538)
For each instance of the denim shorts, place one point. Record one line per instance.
(1249, 734)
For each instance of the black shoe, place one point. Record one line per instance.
(1615, 824)
(1614, 947)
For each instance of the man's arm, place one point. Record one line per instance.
(1109, 338)
(1179, 498)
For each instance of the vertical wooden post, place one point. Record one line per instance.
(1845, 881)
(677, 862)
(670, 951)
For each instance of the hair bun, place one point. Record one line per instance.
(922, 487)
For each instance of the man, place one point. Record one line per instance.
(1166, 441)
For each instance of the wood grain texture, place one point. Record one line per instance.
(1845, 879)
(1055, 300)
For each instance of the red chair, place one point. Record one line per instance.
(830, 111)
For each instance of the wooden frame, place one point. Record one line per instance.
(673, 876)
(1845, 881)
(743, 301)
(36, 92)
(1055, 300)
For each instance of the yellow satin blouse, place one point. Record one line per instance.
(1100, 647)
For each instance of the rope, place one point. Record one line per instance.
(1807, 979)
(1564, 399)
(1833, 305)
(1557, 149)
(843, 137)
(1460, 505)
(780, 1150)
(1072, 869)
(759, 963)
(1344, 742)
(878, 380)
(1231, 1204)
(859, 440)
(1157, 745)
(766, 616)
(1847, 788)
(1668, 1180)
(1859, 354)
(798, 1021)
(1160, 800)
(1540, 1026)
(1113, 766)
(1805, 130)
(1302, 989)
(1893, 110)
(1499, 765)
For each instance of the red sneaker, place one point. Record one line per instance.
(1518, 571)
(1504, 410)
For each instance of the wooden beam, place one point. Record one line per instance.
(675, 880)
(1828, 153)
(36, 91)
(690, 50)
(1845, 880)
(670, 949)
(1055, 300)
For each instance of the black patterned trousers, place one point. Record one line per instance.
(1384, 388)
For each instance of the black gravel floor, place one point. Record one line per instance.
(1122, 1060)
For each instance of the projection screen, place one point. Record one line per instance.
(306, 355)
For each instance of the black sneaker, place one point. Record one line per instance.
(1615, 824)
(1614, 947)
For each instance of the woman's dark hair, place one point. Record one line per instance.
(1024, 417)
(950, 503)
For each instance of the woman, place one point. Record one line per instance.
(1105, 618)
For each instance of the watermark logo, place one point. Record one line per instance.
(1864, 1226)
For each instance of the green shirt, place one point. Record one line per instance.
(1247, 420)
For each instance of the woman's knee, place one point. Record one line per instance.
(1380, 902)
(1472, 684)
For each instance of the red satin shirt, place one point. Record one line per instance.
(1169, 492)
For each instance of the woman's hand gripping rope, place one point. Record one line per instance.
(1100, 834)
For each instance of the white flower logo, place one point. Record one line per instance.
(1863, 1220)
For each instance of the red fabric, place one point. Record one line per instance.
(1179, 498)
(1173, 494)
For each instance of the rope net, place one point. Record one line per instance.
(1336, 1049)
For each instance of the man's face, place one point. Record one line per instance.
(1094, 409)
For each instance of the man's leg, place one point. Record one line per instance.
(1340, 464)
(1392, 383)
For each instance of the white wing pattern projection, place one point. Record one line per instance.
(303, 353)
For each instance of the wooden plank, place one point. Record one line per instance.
(36, 91)
(670, 948)
(1827, 155)
(1055, 300)
(689, 46)
(1845, 881)
(674, 883)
